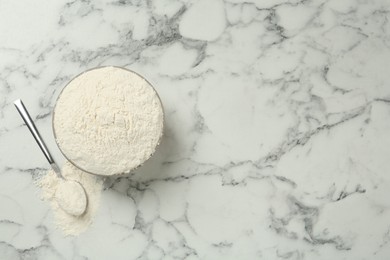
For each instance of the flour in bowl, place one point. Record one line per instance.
(108, 121)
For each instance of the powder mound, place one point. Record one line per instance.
(108, 121)
(71, 197)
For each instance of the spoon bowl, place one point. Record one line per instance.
(71, 197)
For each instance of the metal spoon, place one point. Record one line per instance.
(76, 208)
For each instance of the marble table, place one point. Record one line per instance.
(277, 139)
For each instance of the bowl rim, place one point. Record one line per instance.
(115, 174)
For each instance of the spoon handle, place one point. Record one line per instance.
(34, 131)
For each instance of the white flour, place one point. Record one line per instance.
(71, 197)
(108, 121)
(69, 224)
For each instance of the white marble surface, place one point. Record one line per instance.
(278, 127)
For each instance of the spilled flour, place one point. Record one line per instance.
(72, 225)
